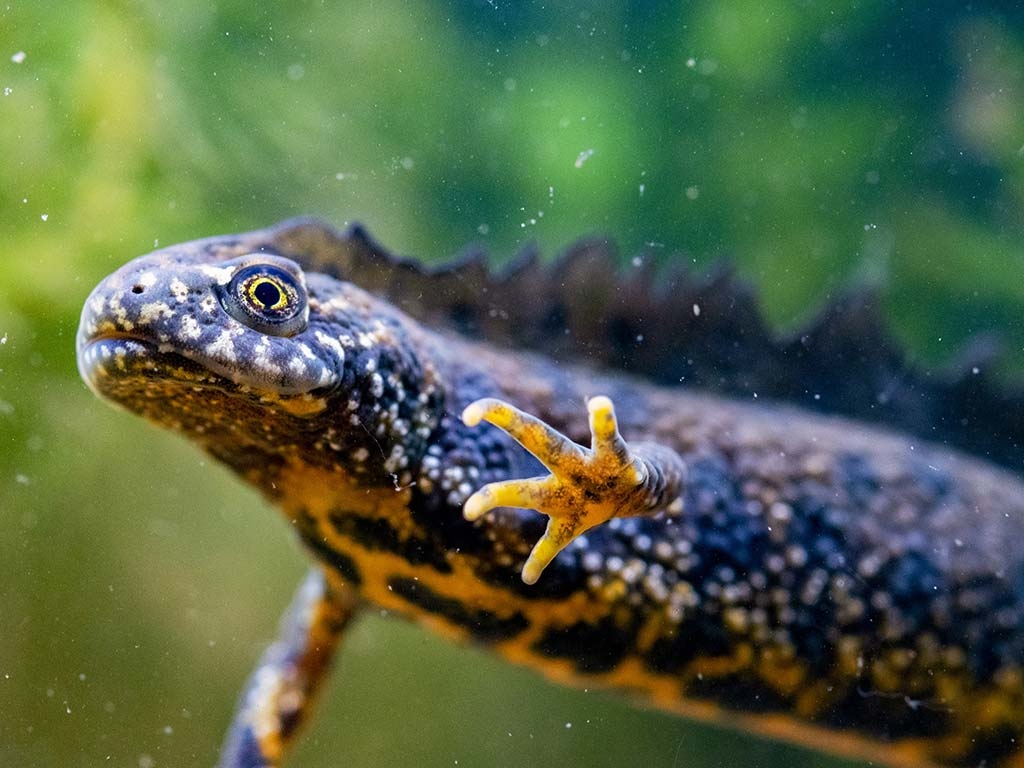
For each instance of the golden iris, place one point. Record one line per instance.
(268, 299)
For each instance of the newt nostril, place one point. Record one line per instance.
(138, 288)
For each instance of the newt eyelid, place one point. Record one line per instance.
(846, 585)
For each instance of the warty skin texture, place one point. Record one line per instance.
(826, 582)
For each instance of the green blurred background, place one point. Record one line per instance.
(817, 143)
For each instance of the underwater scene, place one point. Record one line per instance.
(806, 208)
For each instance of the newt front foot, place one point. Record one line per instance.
(586, 487)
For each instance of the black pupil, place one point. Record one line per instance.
(267, 294)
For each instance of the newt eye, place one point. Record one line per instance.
(268, 299)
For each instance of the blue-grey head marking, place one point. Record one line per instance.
(244, 319)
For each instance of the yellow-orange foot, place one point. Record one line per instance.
(586, 487)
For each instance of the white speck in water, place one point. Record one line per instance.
(21, 479)
(407, 163)
(696, 310)
(551, 194)
(568, 725)
(44, 216)
(975, 370)
(3, 339)
(18, 57)
(7, 92)
(817, 396)
(639, 338)
(510, 84)
(484, 229)
(583, 156)
(145, 761)
(691, 62)
(168, 730)
(342, 175)
(296, 71)
(81, 676)
(868, 227)
(67, 708)
(692, 193)
(637, 261)
(642, 187)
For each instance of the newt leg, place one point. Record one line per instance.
(586, 487)
(280, 692)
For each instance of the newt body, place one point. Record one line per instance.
(822, 580)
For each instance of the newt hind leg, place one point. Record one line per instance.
(279, 695)
(585, 487)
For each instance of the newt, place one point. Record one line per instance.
(535, 462)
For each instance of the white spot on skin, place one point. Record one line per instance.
(120, 314)
(222, 347)
(179, 290)
(190, 328)
(222, 275)
(332, 344)
(153, 310)
(208, 305)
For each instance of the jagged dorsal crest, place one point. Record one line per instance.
(682, 326)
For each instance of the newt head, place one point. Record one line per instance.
(259, 361)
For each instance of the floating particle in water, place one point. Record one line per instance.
(692, 193)
(696, 310)
(583, 156)
(44, 216)
(18, 57)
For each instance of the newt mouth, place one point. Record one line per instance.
(112, 360)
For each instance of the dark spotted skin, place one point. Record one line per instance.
(826, 582)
